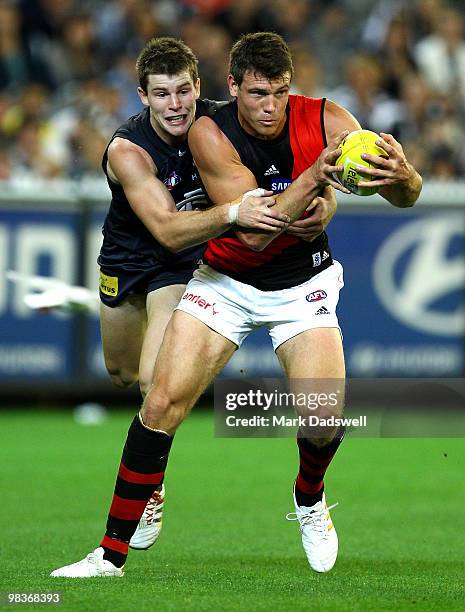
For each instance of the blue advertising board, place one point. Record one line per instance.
(94, 355)
(45, 243)
(402, 310)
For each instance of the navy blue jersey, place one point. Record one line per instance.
(127, 242)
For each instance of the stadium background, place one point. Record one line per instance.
(66, 82)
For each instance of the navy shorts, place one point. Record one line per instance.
(118, 282)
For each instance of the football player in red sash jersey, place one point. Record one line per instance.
(246, 286)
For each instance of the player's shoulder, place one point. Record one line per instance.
(209, 108)
(133, 124)
(136, 139)
(211, 126)
(306, 110)
(207, 140)
(298, 102)
(122, 146)
(126, 159)
(203, 127)
(337, 119)
(127, 135)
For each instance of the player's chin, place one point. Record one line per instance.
(177, 132)
(269, 130)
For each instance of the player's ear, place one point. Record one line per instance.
(197, 88)
(233, 86)
(143, 96)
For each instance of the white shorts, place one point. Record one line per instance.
(234, 309)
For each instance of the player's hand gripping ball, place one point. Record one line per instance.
(353, 145)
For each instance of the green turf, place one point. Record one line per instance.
(225, 543)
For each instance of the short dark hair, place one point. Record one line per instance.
(264, 53)
(165, 55)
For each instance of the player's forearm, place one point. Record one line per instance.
(405, 194)
(297, 197)
(187, 229)
(293, 202)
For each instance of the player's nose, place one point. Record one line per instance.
(175, 102)
(269, 104)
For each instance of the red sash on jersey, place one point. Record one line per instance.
(307, 140)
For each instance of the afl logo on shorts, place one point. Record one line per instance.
(316, 296)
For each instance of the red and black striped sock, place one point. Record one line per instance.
(141, 470)
(314, 461)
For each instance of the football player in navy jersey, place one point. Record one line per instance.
(150, 251)
(148, 255)
(151, 175)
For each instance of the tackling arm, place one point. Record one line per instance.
(132, 167)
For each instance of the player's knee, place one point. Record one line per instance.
(121, 377)
(324, 436)
(161, 411)
(320, 442)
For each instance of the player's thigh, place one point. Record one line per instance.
(123, 329)
(313, 361)
(160, 306)
(314, 353)
(190, 356)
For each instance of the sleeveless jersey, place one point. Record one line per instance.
(126, 239)
(287, 261)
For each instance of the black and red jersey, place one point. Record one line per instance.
(287, 261)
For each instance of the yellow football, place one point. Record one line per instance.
(352, 147)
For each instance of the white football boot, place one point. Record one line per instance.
(93, 566)
(319, 537)
(150, 523)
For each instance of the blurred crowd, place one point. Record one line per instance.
(67, 77)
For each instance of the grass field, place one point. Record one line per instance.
(226, 544)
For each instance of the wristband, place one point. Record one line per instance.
(233, 213)
(258, 191)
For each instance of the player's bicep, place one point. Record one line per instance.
(223, 174)
(337, 119)
(147, 195)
